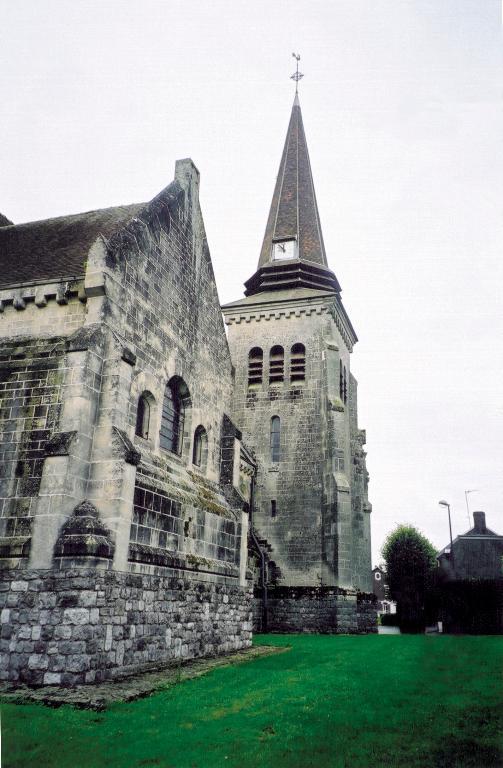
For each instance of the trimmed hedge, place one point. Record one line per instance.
(389, 620)
(473, 607)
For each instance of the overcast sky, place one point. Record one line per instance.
(402, 106)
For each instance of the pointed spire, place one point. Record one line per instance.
(294, 211)
(293, 241)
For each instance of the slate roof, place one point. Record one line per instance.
(473, 533)
(294, 211)
(54, 249)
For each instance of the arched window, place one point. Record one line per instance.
(173, 413)
(200, 450)
(255, 362)
(298, 363)
(275, 438)
(276, 364)
(143, 413)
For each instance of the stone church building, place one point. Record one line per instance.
(158, 481)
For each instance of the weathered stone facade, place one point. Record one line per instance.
(296, 403)
(88, 484)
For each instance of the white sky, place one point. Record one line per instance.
(402, 105)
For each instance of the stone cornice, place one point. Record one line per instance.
(40, 294)
(276, 310)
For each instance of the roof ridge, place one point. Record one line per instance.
(67, 216)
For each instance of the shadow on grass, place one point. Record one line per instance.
(467, 749)
(467, 753)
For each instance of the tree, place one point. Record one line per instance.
(410, 564)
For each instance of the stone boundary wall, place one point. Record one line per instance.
(324, 610)
(366, 603)
(85, 626)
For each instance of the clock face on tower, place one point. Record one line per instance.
(284, 249)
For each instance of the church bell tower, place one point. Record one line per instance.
(296, 402)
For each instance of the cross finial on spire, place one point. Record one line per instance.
(296, 75)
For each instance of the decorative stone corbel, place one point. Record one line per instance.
(19, 302)
(40, 297)
(128, 356)
(123, 447)
(62, 293)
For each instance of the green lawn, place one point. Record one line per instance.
(388, 700)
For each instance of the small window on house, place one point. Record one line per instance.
(345, 386)
(176, 395)
(255, 363)
(341, 381)
(200, 451)
(275, 438)
(143, 413)
(273, 507)
(276, 365)
(377, 576)
(297, 363)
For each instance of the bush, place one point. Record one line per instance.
(410, 564)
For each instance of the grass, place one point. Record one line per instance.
(370, 701)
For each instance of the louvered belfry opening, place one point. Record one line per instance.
(255, 366)
(276, 365)
(298, 363)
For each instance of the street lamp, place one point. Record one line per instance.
(446, 504)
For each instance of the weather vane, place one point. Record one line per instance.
(296, 75)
